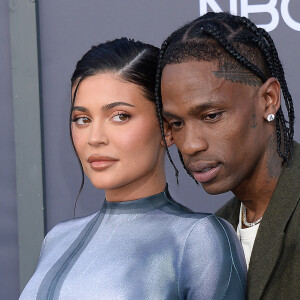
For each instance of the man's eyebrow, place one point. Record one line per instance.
(210, 103)
(201, 107)
(80, 108)
(168, 114)
(114, 104)
(196, 109)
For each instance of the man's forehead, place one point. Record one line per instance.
(197, 92)
(189, 68)
(190, 80)
(193, 71)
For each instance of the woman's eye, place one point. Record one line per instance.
(81, 120)
(121, 117)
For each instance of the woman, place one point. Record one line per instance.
(141, 244)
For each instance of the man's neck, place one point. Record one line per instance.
(256, 191)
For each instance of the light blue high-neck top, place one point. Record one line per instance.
(150, 248)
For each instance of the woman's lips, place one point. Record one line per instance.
(206, 174)
(99, 163)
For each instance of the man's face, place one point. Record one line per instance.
(217, 123)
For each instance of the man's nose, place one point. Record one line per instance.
(194, 141)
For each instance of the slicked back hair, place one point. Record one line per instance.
(131, 60)
(223, 38)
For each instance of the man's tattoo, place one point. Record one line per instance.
(235, 73)
(254, 122)
(274, 164)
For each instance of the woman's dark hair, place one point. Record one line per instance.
(132, 60)
(222, 37)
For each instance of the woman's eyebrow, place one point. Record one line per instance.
(105, 107)
(80, 108)
(114, 104)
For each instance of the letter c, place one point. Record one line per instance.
(286, 16)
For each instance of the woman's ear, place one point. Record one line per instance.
(168, 135)
(271, 95)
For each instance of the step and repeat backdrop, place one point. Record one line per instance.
(67, 29)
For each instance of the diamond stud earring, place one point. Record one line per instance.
(270, 117)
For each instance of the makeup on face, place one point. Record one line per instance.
(116, 134)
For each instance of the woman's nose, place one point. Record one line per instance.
(97, 135)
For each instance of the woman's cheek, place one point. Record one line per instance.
(130, 139)
(78, 140)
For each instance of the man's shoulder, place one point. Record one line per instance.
(230, 211)
(226, 210)
(296, 152)
(295, 158)
(296, 155)
(288, 185)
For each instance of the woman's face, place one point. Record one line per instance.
(116, 133)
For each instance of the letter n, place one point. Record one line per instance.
(213, 5)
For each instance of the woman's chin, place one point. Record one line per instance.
(106, 185)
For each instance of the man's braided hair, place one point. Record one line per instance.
(222, 37)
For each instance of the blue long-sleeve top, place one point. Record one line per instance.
(150, 248)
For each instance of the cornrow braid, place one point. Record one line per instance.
(185, 168)
(159, 105)
(277, 71)
(219, 37)
(279, 116)
(288, 132)
(231, 50)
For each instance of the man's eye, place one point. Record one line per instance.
(81, 120)
(212, 117)
(121, 117)
(176, 125)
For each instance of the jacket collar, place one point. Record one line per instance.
(270, 234)
(233, 212)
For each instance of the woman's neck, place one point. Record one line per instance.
(140, 188)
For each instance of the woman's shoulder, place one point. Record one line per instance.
(213, 252)
(199, 219)
(210, 250)
(204, 222)
(62, 235)
(208, 227)
(205, 225)
(76, 224)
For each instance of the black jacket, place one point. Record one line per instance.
(274, 269)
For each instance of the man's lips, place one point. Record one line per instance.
(204, 172)
(99, 162)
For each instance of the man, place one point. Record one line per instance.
(221, 81)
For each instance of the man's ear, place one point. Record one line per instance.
(168, 135)
(270, 92)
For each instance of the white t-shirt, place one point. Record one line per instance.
(247, 237)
